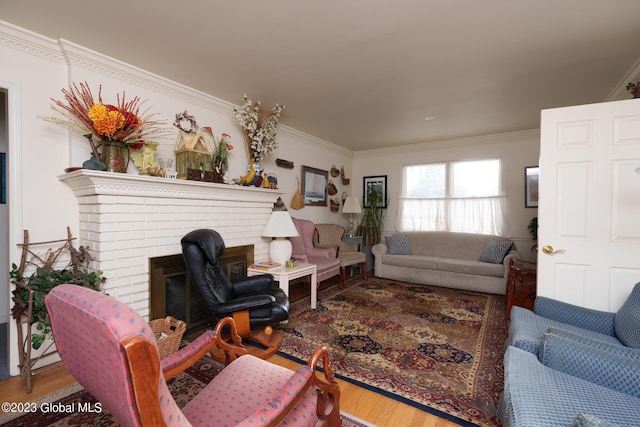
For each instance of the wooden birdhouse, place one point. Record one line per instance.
(193, 151)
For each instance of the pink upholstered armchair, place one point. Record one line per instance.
(111, 351)
(304, 250)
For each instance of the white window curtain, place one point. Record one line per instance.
(482, 215)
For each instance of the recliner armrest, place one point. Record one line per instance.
(586, 318)
(246, 303)
(260, 282)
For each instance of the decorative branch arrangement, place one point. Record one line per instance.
(31, 289)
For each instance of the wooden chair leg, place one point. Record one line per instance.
(364, 270)
(343, 276)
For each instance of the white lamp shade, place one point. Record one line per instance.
(351, 205)
(280, 224)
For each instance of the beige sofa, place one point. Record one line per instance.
(446, 259)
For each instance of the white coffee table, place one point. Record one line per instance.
(284, 274)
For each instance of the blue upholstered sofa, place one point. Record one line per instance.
(567, 365)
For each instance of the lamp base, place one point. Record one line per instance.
(352, 226)
(280, 250)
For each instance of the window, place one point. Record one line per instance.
(463, 196)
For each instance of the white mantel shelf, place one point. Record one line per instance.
(85, 182)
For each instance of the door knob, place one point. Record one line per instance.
(548, 250)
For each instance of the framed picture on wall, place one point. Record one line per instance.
(378, 183)
(314, 186)
(531, 182)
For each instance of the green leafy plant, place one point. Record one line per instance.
(41, 282)
(533, 230)
(373, 217)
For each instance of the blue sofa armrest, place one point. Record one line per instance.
(581, 317)
(593, 363)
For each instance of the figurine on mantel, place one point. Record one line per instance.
(145, 159)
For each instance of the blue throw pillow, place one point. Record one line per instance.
(398, 245)
(495, 251)
(627, 320)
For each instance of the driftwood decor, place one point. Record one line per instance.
(35, 276)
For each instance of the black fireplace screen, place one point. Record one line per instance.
(172, 294)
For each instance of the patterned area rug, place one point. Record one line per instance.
(79, 408)
(434, 348)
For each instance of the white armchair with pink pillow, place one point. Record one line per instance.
(304, 250)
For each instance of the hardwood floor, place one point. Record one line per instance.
(362, 403)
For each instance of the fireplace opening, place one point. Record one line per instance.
(171, 292)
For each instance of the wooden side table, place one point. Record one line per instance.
(354, 239)
(521, 284)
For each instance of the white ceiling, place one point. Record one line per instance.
(364, 74)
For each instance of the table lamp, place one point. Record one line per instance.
(280, 226)
(351, 206)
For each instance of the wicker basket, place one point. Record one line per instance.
(168, 333)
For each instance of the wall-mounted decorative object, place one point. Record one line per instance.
(334, 171)
(284, 163)
(377, 183)
(331, 188)
(334, 204)
(531, 180)
(314, 186)
(297, 201)
(634, 89)
(345, 180)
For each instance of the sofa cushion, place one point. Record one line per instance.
(627, 320)
(495, 251)
(398, 244)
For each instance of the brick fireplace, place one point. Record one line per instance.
(126, 219)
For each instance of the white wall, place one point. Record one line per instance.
(517, 150)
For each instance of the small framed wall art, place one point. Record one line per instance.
(531, 181)
(314, 186)
(377, 184)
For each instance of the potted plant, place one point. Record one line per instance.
(372, 221)
(533, 230)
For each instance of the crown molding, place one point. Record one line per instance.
(500, 138)
(620, 91)
(79, 56)
(27, 41)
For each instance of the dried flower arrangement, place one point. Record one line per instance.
(634, 89)
(259, 127)
(123, 122)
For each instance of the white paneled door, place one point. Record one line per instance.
(589, 203)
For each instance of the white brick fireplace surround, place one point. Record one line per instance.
(126, 219)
